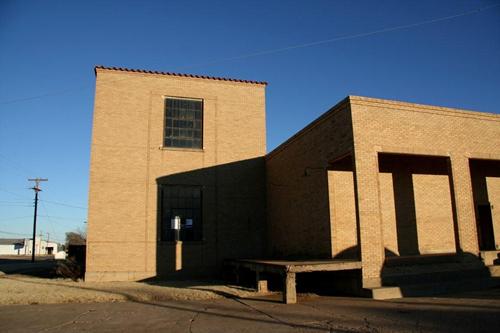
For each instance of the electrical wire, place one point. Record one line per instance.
(281, 49)
(51, 223)
(13, 233)
(67, 218)
(15, 194)
(62, 204)
(13, 166)
(15, 218)
(346, 37)
(47, 201)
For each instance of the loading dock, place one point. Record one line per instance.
(288, 270)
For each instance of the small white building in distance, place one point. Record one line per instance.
(9, 246)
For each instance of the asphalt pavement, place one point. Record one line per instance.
(470, 312)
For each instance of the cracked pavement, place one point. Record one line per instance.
(470, 312)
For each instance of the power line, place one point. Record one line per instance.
(63, 204)
(15, 218)
(282, 49)
(14, 166)
(66, 218)
(346, 37)
(27, 235)
(48, 218)
(47, 201)
(13, 233)
(15, 194)
(64, 91)
(6, 203)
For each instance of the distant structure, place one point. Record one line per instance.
(11, 246)
(180, 181)
(23, 246)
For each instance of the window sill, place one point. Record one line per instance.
(196, 150)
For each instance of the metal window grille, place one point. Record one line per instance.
(183, 123)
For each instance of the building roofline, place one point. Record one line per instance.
(344, 102)
(371, 100)
(353, 100)
(143, 71)
(11, 241)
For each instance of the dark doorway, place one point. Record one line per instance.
(485, 223)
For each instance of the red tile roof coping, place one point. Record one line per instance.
(177, 74)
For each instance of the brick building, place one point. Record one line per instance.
(166, 145)
(370, 180)
(379, 180)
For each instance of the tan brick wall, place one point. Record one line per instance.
(434, 214)
(416, 205)
(342, 214)
(388, 213)
(297, 186)
(397, 127)
(127, 159)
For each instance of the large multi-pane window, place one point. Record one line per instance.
(183, 123)
(183, 201)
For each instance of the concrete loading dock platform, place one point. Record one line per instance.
(288, 270)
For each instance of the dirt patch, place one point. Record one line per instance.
(18, 289)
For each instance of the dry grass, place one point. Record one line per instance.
(19, 289)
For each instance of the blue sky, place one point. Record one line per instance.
(48, 50)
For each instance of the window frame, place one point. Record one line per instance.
(163, 146)
(162, 229)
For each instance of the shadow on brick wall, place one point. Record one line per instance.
(227, 220)
(402, 169)
(485, 174)
(428, 275)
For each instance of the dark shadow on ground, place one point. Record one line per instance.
(43, 267)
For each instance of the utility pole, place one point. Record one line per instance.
(37, 189)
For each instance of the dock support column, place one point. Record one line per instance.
(368, 214)
(261, 283)
(289, 292)
(464, 201)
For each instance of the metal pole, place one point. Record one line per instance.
(34, 227)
